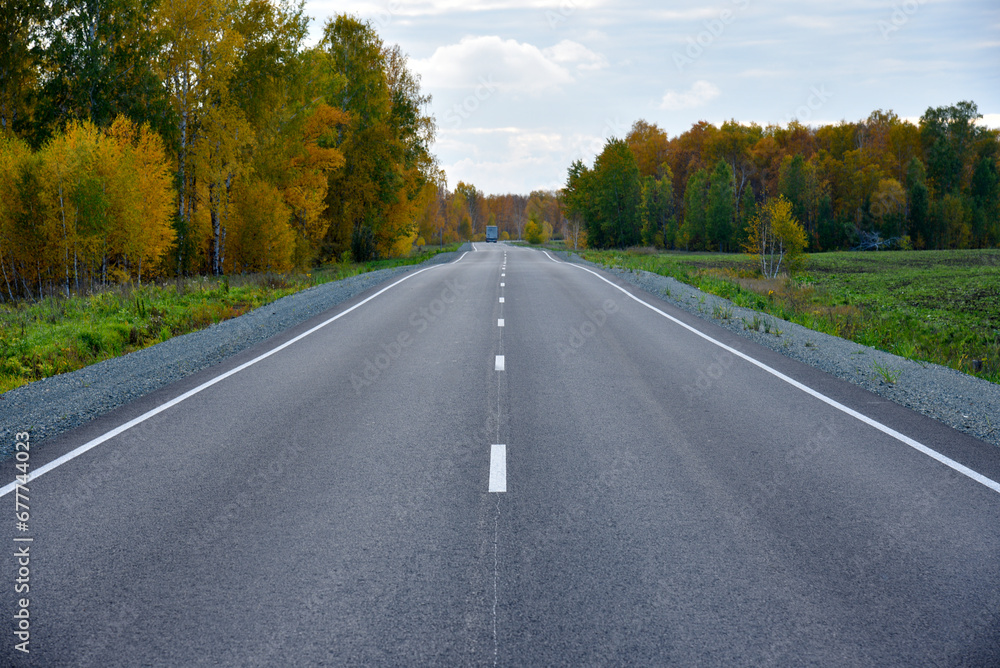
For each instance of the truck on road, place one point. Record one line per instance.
(491, 234)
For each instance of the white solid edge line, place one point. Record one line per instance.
(500, 364)
(498, 469)
(76, 452)
(889, 431)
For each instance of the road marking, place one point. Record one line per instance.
(500, 322)
(498, 469)
(500, 363)
(503, 285)
(501, 300)
(503, 275)
(73, 454)
(888, 431)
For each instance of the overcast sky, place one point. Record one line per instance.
(521, 88)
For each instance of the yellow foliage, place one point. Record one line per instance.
(775, 238)
(403, 245)
(260, 237)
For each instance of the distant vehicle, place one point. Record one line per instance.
(491, 234)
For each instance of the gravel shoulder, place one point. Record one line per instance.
(966, 403)
(49, 407)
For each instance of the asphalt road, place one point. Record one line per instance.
(661, 498)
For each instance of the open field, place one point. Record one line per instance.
(934, 306)
(58, 334)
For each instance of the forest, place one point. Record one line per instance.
(142, 139)
(879, 183)
(148, 139)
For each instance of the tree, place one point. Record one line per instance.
(22, 24)
(100, 57)
(775, 238)
(473, 200)
(888, 208)
(262, 238)
(694, 232)
(617, 192)
(533, 231)
(657, 211)
(372, 202)
(197, 65)
(948, 135)
(720, 207)
(799, 183)
(650, 145)
(14, 156)
(985, 194)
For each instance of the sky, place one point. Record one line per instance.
(522, 88)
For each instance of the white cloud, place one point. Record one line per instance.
(990, 121)
(700, 93)
(508, 65)
(575, 54)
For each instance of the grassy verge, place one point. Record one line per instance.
(935, 306)
(58, 334)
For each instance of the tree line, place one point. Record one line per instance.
(880, 182)
(462, 214)
(150, 138)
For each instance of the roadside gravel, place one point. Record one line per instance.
(49, 407)
(964, 402)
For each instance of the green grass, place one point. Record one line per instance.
(935, 306)
(58, 334)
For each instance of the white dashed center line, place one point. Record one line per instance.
(498, 469)
(501, 300)
(500, 322)
(500, 363)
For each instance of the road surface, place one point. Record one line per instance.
(507, 460)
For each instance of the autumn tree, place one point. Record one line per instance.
(650, 145)
(775, 238)
(372, 201)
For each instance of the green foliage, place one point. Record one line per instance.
(694, 231)
(659, 222)
(608, 198)
(720, 207)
